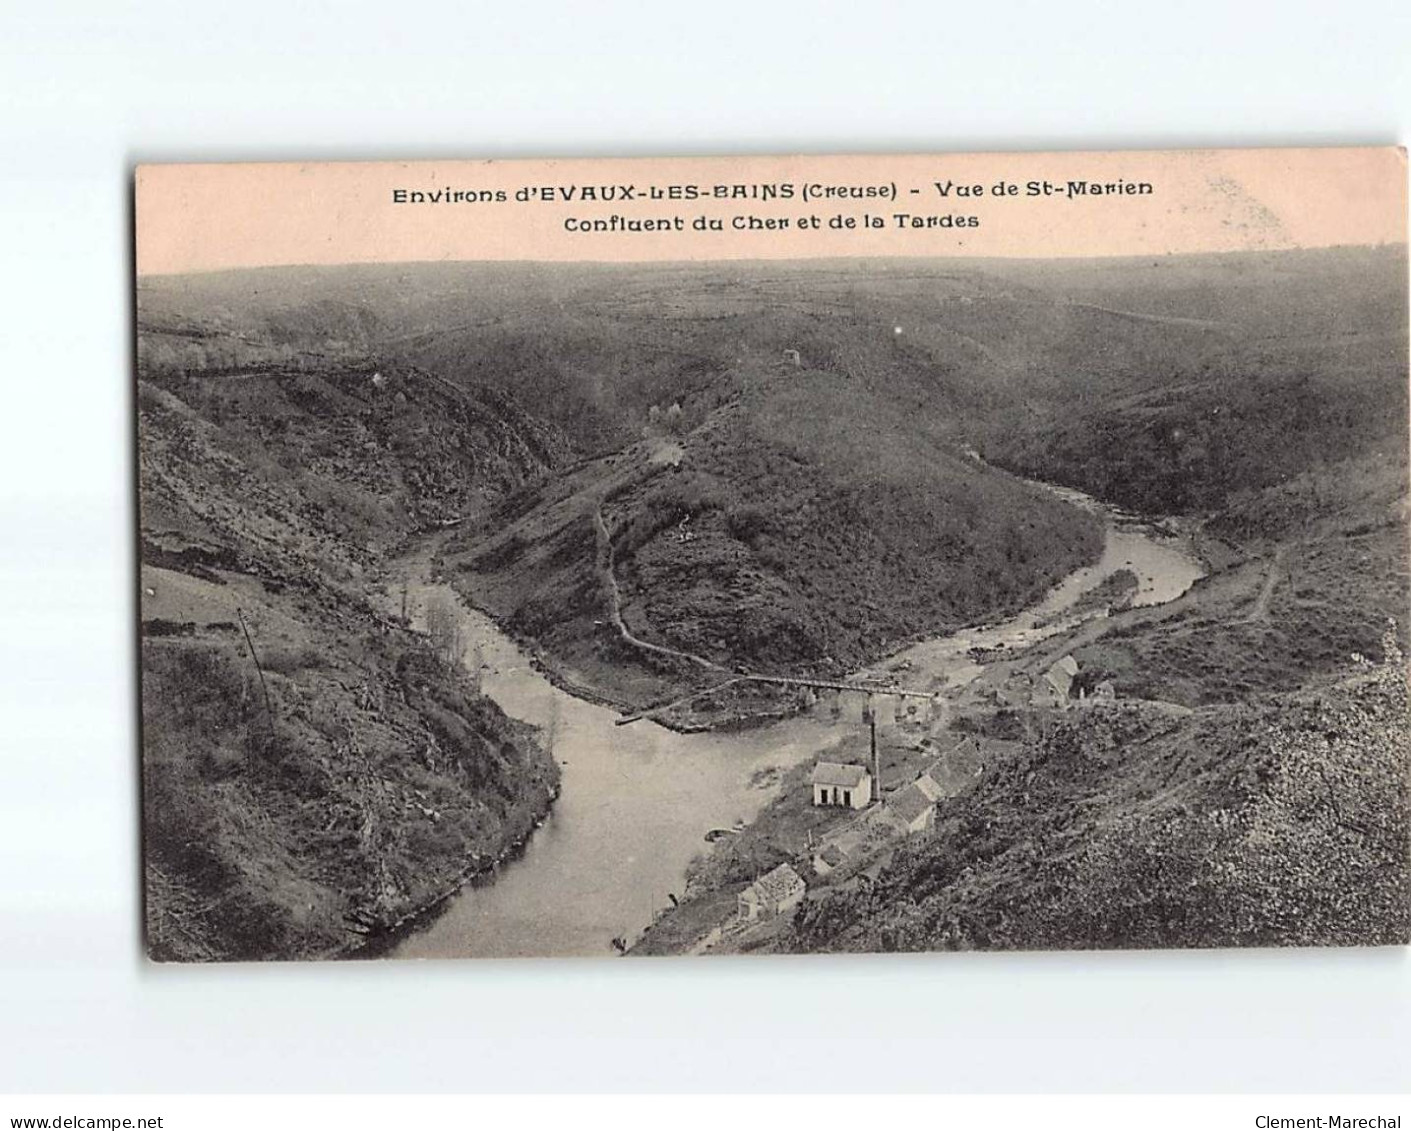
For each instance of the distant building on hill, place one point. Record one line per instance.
(772, 894)
(1105, 691)
(837, 783)
(1055, 687)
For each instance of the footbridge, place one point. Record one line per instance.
(817, 683)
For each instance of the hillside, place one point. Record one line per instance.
(1200, 377)
(1278, 823)
(657, 476)
(782, 453)
(771, 533)
(1160, 384)
(303, 799)
(1246, 786)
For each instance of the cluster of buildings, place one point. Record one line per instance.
(907, 811)
(1057, 687)
(845, 785)
(883, 706)
(911, 809)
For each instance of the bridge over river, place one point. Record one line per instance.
(812, 682)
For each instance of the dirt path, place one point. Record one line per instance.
(1260, 609)
(609, 579)
(1160, 319)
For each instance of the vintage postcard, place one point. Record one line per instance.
(773, 555)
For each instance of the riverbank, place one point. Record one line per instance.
(624, 856)
(301, 808)
(1145, 562)
(634, 806)
(383, 940)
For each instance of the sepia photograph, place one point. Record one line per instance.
(705, 566)
(1000, 561)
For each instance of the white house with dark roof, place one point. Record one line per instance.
(845, 785)
(772, 894)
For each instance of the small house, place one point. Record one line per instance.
(1055, 687)
(960, 765)
(911, 810)
(772, 894)
(932, 782)
(835, 783)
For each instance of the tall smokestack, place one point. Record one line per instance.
(876, 759)
(876, 765)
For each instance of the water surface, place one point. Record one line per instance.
(636, 801)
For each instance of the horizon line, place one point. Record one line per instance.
(1383, 245)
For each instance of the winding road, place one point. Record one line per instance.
(609, 579)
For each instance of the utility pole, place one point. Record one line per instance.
(269, 711)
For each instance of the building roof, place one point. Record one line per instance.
(1060, 675)
(833, 855)
(836, 773)
(775, 886)
(929, 783)
(909, 804)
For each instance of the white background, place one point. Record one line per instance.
(86, 90)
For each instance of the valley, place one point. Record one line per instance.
(417, 539)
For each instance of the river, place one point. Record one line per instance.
(636, 801)
(634, 806)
